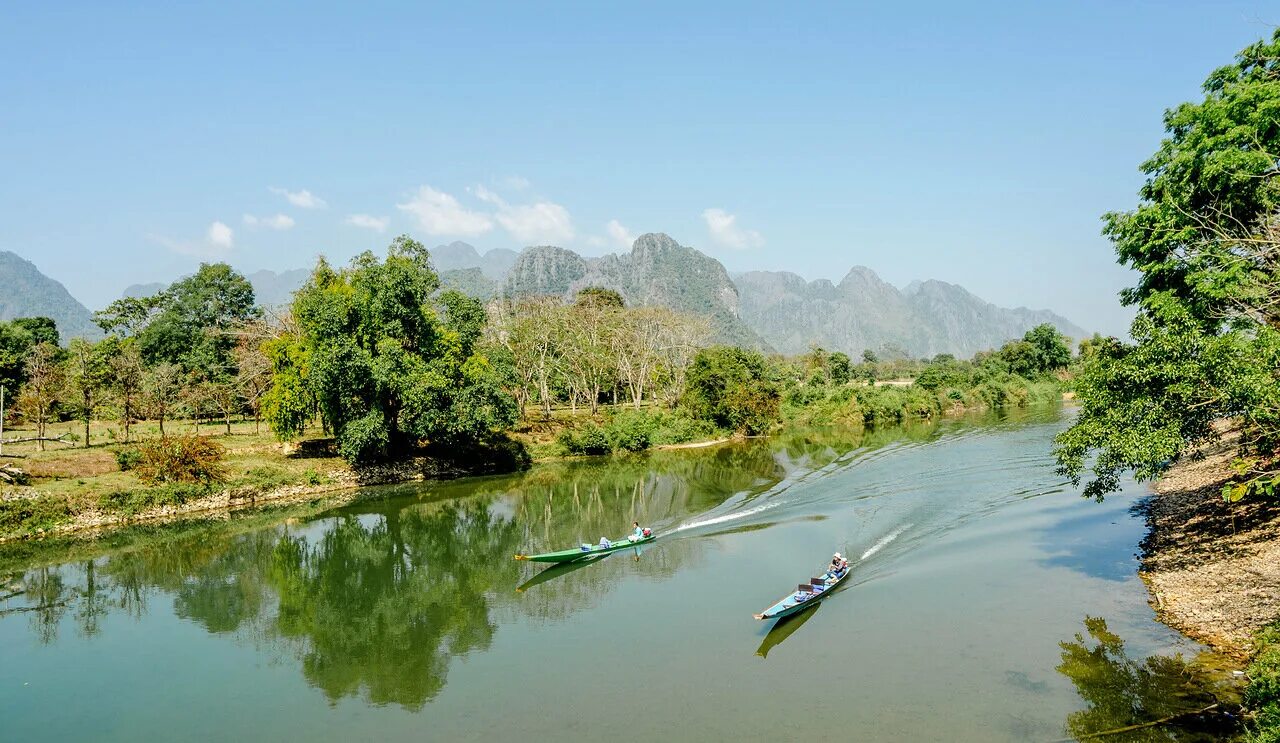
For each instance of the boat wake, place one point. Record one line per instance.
(728, 517)
(884, 541)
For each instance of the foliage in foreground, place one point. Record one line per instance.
(1262, 696)
(1205, 239)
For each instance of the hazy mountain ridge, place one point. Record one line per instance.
(864, 311)
(657, 271)
(770, 310)
(29, 293)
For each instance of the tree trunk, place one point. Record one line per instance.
(86, 431)
(162, 424)
(227, 417)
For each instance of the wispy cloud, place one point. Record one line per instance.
(303, 199)
(277, 222)
(539, 222)
(725, 231)
(368, 222)
(218, 241)
(620, 235)
(514, 183)
(440, 213)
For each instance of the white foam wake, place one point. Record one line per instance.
(884, 541)
(727, 517)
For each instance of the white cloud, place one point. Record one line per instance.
(440, 213)
(277, 222)
(217, 242)
(303, 199)
(377, 224)
(219, 236)
(539, 222)
(724, 230)
(619, 234)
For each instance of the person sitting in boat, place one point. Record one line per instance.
(638, 534)
(839, 564)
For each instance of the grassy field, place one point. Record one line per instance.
(69, 481)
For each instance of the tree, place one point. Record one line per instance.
(162, 389)
(839, 368)
(17, 338)
(44, 384)
(253, 375)
(86, 376)
(869, 356)
(1052, 349)
(731, 387)
(598, 296)
(192, 322)
(127, 379)
(385, 371)
(1204, 240)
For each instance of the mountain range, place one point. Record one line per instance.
(25, 292)
(769, 310)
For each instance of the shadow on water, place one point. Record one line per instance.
(1099, 540)
(784, 628)
(1125, 694)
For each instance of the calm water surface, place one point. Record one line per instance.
(989, 602)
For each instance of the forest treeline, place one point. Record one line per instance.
(377, 356)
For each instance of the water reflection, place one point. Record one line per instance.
(375, 600)
(784, 628)
(1125, 693)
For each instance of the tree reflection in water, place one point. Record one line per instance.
(375, 599)
(1123, 692)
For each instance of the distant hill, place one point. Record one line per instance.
(657, 271)
(865, 312)
(768, 310)
(459, 256)
(25, 292)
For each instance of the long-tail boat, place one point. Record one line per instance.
(588, 551)
(805, 595)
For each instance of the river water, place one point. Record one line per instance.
(988, 602)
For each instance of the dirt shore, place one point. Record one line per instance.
(1213, 568)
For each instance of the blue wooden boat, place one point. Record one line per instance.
(588, 551)
(805, 595)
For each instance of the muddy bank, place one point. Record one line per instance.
(1213, 568)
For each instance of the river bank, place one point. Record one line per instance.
(1213, 568)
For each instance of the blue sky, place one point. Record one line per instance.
(972, 143)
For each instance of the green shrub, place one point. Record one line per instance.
(591, 439)
(30, 514)
(128, 458)
(180, 459)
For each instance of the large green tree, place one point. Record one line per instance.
(732, 387)
(1205, 241)
(385, 363)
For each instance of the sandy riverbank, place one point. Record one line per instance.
(1213, 568)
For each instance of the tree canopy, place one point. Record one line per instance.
(1206, 242)
(375, 358)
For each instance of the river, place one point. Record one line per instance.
(988, 602)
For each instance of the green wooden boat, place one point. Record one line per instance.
(585, 553)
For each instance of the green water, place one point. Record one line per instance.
(989, 602)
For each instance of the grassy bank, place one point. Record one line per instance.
(887, 404)
(1262, 696)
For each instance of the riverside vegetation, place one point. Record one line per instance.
(375, 363)
(1205, 239)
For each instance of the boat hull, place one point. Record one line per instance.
(787, 605)
(575, 555)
